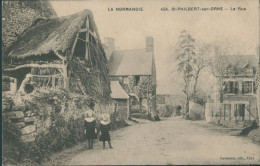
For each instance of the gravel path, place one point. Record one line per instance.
(171, 141)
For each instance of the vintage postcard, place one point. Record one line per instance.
(130, 82)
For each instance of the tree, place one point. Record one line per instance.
(185, 54)
(192, 59)
(218, 65)
(200, 62)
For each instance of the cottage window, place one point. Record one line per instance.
(227, 111)
(249, 72)
(230, 72)
(9, 84)
(247, 87)
(137, 79)
(231, 87)
(239, 112)
(254, 87)
(125, 80)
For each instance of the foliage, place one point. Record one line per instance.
(67, 127)
(185, 55)
(192, 59)
(116, 122)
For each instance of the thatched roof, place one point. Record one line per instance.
(130, 62)
(50, 35)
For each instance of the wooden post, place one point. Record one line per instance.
(53, 82)
(128, 104)
(65, 77)
(224, 112)
(74, 45)
(87, 39)
(252, 87)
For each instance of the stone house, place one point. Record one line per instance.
(60, 53)
(120, 98)
(135, 70)
(239, 96)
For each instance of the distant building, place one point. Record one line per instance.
(239, 99)
(136, 73)
(120, 98)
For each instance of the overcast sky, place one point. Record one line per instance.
(241, 28)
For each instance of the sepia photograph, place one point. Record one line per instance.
(130, 82)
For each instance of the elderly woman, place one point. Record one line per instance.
(25, 82)
(90, 127)
(105, 128)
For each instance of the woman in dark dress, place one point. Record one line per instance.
(90, 127)
(105, 127)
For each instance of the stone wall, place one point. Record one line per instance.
(35, 113)
(121, 107)
(18, 15)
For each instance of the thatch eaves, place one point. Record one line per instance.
(50, 35)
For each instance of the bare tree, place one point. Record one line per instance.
(200, 62)
(218, 67)
(192, 59)
(185, 53)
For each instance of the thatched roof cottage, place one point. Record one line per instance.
(63, 52)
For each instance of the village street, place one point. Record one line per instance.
(170, 141)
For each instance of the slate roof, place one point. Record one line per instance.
(130, 62)
(241, 61)
(117, 91)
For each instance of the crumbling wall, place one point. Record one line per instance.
(35, 113)
(121, 107)
(45, 121)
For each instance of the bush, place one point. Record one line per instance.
(195, 116)
(67, 126)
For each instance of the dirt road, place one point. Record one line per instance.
(171, 141)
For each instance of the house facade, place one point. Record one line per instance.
(59, 53)
(136, 73)
(120, 98)
(239, 94)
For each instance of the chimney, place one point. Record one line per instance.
(109, 46)
(149, 44)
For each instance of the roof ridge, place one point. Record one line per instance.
(129, 49)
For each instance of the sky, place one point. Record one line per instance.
(129, 29)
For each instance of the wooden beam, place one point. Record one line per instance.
(60, 56)
(59, 66)
(53, 82)
(74, 45)
(82, 39)
(46, 76)
(65, 77)
(89, 31)
(87, 40)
